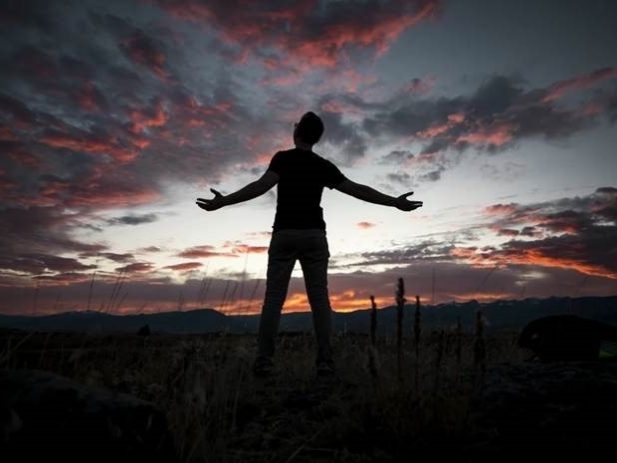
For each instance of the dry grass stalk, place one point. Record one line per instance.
(373, 321)
(417, 331)
(400, 304)
(479, 348)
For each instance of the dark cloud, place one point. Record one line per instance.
(399, 177)
(145, 51)
(500, 113)
(397, 157)
(433, 175)
(115, 257)
(133, 219)
(40, 263)
(185, 266)
(345, 136)
(136, 267)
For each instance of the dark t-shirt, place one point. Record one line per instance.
(302, 177)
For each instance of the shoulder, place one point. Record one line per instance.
(280, 155)
(326, 162)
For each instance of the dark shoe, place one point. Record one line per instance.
(263, 367)
(325, 369)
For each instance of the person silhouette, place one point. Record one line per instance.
(299, 233)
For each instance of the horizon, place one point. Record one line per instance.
(308, 311)
(115, 117)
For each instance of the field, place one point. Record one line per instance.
(383, 405)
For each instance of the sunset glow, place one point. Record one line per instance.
(116, 116)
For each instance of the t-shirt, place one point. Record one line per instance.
(302, 177)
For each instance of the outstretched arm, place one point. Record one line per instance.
(368, 194)
(250, 191)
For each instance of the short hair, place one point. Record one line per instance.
(310, 128)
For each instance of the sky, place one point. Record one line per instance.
(115, 116)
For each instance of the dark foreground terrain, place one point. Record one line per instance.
(456, 398)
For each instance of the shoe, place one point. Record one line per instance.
(325, 369)
(263, 367)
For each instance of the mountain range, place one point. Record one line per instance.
(501, 315)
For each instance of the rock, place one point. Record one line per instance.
(46, 417)
(566, 337)
(546, 412)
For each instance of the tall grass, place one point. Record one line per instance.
(217, 411)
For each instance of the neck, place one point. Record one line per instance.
(304, 146)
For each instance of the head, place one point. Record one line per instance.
(309, 130)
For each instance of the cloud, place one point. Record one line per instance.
(365, 225)
(204, 252)
(559, 89)
(248, 249)
(88, 143)
(115, 257)
(399, 177)
(34, 263)
(309, 33)
(184, 266)
(136, 267)
(145, 51)
(133, 219)
(572, 233)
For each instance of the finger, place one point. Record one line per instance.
(216, 193)
(406, 194)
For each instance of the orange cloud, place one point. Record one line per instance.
(484, 296)
(531, 256)
(365, 225)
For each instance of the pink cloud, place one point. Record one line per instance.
(136, 267)
(496, 134)
(204, 252)
(559, 89)
(149, 117)
(185, 266)
(87, 143)
(318, 40)
(365, 225)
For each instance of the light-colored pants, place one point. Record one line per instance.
(311, 248)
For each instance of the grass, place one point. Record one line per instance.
(217, 411)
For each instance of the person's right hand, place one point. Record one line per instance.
(404, 204)
(212, 204)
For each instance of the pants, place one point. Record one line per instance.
(311, 248)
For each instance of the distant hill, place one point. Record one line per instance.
(499, 315)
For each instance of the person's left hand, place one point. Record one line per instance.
(212, 204)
